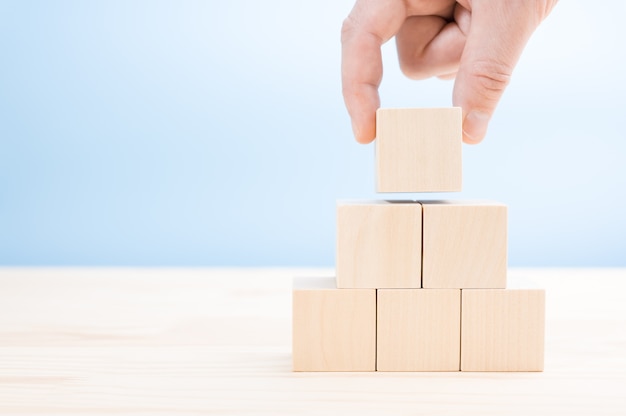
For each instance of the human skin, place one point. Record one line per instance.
(476, 42)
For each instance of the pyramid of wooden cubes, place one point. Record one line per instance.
(421, 285)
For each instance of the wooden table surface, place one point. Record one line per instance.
(217, 341)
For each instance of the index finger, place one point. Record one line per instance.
(370, 24)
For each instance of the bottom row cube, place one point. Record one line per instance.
(333, 329)
(416, 329)
(502, 329)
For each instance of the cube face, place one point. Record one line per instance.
(465, 245)
(418, 330)
(333, 330)
(418, 149)
(502, 330)
(379, 244)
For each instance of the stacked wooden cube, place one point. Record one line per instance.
(420, 285)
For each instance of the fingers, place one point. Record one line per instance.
(496, 38)
(370, 24)
(481, 55)
(429, 46)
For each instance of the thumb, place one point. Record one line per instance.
(498, 32)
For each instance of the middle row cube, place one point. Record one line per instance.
(429, 244)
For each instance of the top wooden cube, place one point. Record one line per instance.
(418, 149)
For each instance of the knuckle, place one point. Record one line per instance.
(413, 71)
(414, 66)
(491, 76)
(347, 91)
(347, 28)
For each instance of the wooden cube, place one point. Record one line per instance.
(418, 149)
(379, 244)
(465, 245)
(502, 329)
(333, 329)
(418, 330)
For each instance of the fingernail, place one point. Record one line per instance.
(475, 125)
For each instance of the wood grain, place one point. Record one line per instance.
(418, 330)
(502, 329)
(217, 341)
(418, 149)
(465, 244)
(333, 329)
(379, 244)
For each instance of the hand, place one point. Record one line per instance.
(476, 41)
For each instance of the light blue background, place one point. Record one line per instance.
(213, 133)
